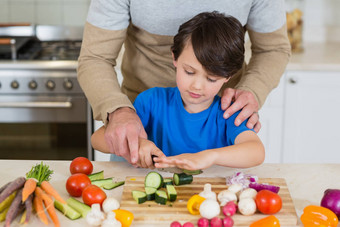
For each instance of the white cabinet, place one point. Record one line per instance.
(311, 117)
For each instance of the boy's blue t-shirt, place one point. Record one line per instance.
(175, 131)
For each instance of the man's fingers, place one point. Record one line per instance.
(254, 118)
(257, 127)
(132, 140)
(236, 106)
(245, 114)
(227, 97)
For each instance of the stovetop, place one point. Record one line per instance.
(34, 49)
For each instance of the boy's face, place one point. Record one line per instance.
(196, 86)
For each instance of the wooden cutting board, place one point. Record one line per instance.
(152, 214)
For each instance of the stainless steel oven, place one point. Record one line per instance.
(43, 112)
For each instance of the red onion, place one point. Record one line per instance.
(258, 187)
(331, 200)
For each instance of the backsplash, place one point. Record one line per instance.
(45, 12)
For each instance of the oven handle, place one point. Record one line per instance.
(66, 104)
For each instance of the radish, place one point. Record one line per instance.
(203, 222)
(216, 222)
(229, 209)
(175, 224)
(188, 224)
(228, 222)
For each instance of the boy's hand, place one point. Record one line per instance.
(146, 150)
(200, 160)
(244, 100)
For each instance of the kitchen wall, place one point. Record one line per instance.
(46, 12)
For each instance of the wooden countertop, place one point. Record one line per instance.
(306, 182)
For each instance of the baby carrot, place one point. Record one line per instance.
(29, 188)
(39, 208)
(52, 212)
(48, 188)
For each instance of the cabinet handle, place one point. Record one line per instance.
(292, 80)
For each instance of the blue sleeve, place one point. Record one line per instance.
(143, 104)
(232, 130)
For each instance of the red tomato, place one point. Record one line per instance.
(76, 183)
(93, 194)
(268, 202)
(81, 165)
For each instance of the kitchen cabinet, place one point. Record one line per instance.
(311, 117)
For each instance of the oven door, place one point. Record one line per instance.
(43, 127)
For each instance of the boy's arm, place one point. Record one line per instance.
(248, 151)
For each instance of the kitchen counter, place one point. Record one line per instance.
(306, 182)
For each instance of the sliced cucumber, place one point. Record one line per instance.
(78, 206)
(172, 193)
(113, 185)
(67, 210)
(150, 193)
(139, 196)
(101, 183)
(192, 172)
(161, 197)
(167, 181)
(154, 180)
(96, 176)
(182, 178)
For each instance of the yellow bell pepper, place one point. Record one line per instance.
(194, 203)
(318, 216)
(125, 217)
(269, 221)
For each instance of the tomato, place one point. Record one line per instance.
(268, 202)
(93, 194)
(81, 165)
(76, 183)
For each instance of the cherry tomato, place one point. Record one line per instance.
(81, 165)
(93, 194)
(76, 183)
(268, 202)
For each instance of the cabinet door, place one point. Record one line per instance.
(312, 117)
(271, 118)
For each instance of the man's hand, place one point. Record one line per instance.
(146, 150)
(122, 133)
(242, 99)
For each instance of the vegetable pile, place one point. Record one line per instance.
(25, 194)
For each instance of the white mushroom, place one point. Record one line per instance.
(110, 204)
(95, 216)
(207, 193)
(226, 196)
(111, 220)
(248, 193)
(209, 208)
(235, 188)
(247, 206)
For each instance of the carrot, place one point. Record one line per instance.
(29, 188)
(39, 208)
(13, 186)
(48, 188)
(5, 186)
(28, 206)
(14, 209)
(48, 201)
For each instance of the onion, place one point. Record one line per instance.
(241, 178)
(258, 187)
(331, 200)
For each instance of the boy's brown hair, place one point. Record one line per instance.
(217, 40)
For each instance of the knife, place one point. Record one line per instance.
(176, 169)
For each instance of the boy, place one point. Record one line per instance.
(185, 124)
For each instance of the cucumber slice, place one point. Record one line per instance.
(113, 185)
(139, 196)
(182, 178)
(161, 197)
(154, 180)
(172, 193)
(150, 193)
(96, 176)
(101, 183)
(67, 210)
(167, 181)
(78, 206)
